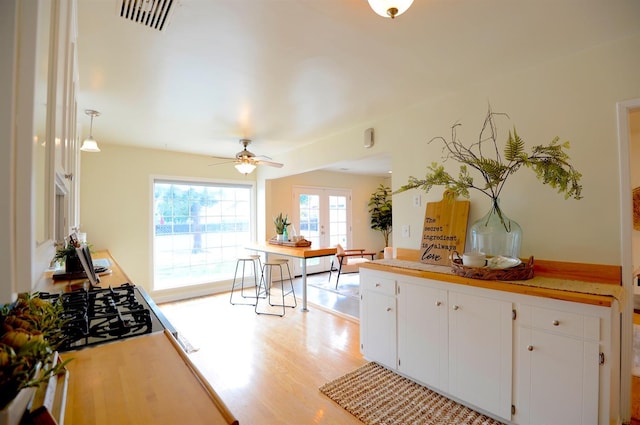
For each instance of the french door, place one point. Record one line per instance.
(322, 216)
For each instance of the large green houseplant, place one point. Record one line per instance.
(380, 208)
(550, 163)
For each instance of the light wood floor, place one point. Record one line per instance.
(268, 369)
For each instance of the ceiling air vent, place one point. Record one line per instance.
(150, 13)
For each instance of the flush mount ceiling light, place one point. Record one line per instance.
(90, 144)
(390, 8)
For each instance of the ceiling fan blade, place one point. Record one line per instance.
(227, 161)
(269, 163)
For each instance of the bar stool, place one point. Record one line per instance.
(257, 266)
(268, 284)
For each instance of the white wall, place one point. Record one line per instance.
(573, 97)
(116, 199)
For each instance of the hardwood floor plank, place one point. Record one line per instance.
(268, 369)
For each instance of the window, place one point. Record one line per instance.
(199, 230)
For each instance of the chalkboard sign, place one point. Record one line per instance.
(445, 229)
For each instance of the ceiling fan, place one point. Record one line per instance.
(246, 161)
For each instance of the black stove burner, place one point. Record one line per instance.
(100, 315)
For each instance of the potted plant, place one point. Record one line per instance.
(281, 224)
(66, 254)
(495, 233)
(380, 210)
(30, 332)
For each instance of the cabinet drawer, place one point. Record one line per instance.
(563, 322)
(381, 285)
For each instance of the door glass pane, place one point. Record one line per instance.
(310, 218)
(338, 221)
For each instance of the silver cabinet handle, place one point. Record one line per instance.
(555, 323)
(438, 303)
(456, 307)
(530, 347)
(388, 308)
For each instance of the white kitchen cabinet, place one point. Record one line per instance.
(480, 351)
(558, 362)
(378, 320)
(422, 334)
(523, 358)
(457, 343)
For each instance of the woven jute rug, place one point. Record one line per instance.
(376, 395)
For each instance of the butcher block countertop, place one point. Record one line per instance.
(147, 379)
(141, 380)
(583, 283)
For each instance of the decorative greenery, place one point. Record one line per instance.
(30, 332)
(380, 210)
(281, 223)
(550, 163)
(66, 250)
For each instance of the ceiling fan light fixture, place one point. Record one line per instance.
(245, 167)
(89, 144)
(390, 8)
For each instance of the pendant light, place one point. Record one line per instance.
(390, 8)
(90, 144)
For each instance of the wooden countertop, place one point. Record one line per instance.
(116, 278)
(140, 380)
(585, 292)
(291, 251)
(147, 379)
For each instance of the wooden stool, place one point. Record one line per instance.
(257, 265)
(266, 284)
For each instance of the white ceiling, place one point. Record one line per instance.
(288, 72)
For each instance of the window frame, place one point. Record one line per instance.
(194, 181)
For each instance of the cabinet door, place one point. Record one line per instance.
(422, 334)
(378, 327)
(480, 352)
(557, 379)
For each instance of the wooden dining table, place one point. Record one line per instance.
(303, 253)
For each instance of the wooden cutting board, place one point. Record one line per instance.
(444, 230)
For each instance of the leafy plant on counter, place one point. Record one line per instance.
(30, 332)
(281, 223)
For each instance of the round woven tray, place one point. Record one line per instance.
(523, 271)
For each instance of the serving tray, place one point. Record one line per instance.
(302, 243)
(523, 271)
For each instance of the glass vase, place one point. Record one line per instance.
(496, 234)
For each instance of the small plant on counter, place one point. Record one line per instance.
(30, 332)
(281, 223)
(67, 250)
